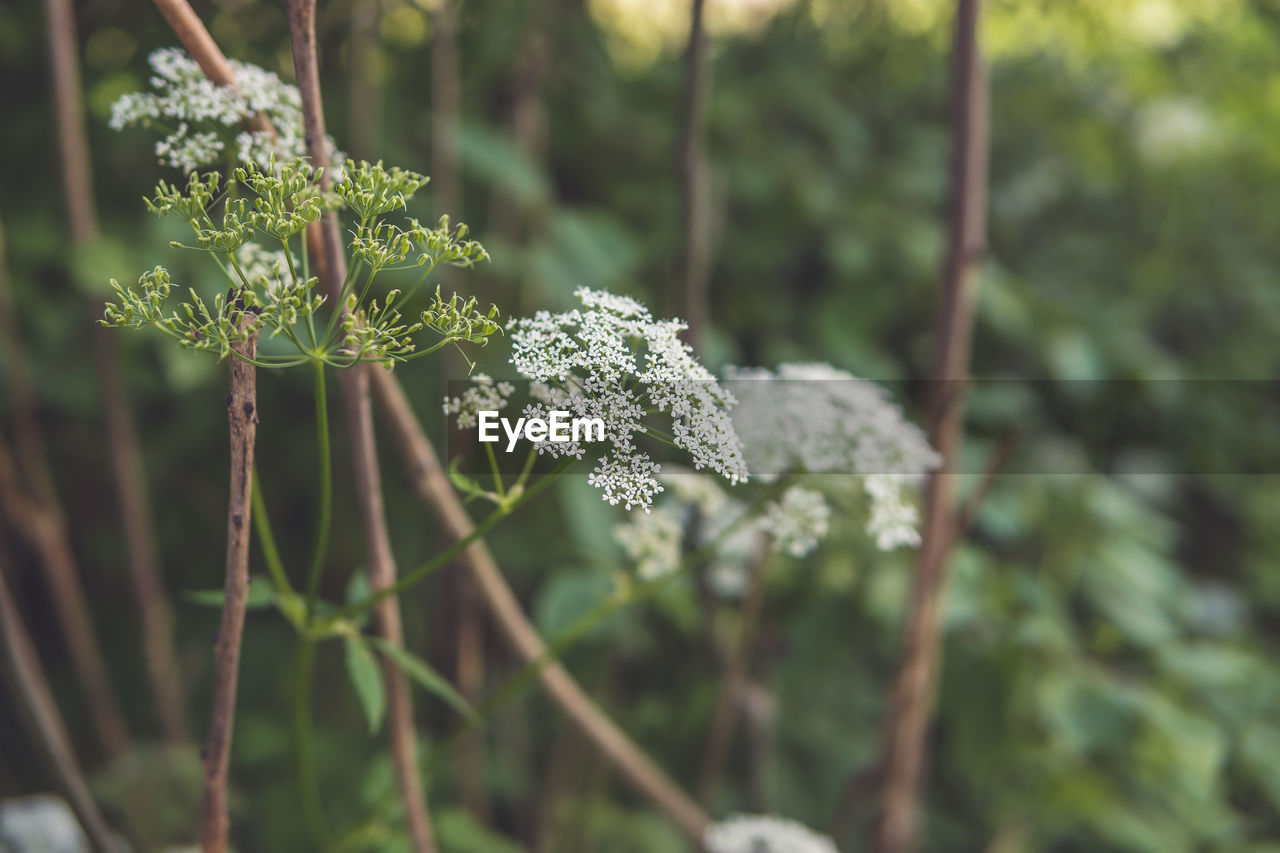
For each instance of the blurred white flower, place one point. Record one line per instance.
(798, 521)
(615, 362)
(200, 119)
(40, 823)
(652, 540)
(818, 419)
(484, 395)
(764, 834)
(262, 267)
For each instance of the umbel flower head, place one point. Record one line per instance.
(817, 419)
(794, 524)
(612, 360)
(249, 239)
(203, 122)
(764, 834)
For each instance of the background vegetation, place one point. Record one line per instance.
(1109, 679)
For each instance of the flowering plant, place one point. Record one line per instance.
(205, 124)
(271, 291)
(613, 361)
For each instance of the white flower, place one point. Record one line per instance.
(484, 395)
(615, 362)
(893, 519)
(823, 420)
(798, 522)
(203, 120)
(764, 834)
(652, 540)
(263, 267)
(696, 490)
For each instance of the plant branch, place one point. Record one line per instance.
(736, 669)
(432, 484)
(912, 701)
(368, 485)
(695, 179)
(242, 418)
(25, 682)
(968, 512)
(39, 518)
(122, 436)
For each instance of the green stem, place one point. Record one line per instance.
(308, 785)
(262, 524)
(493, 466)
(362, 606)
(326, 490)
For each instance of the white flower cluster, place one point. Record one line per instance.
(798, 521)
(484, 395)
(652, 540)
(823, 420)
(612, 360)
(201, 119)
(764, 834)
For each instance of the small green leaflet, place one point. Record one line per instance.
(261, 594)
(430, 680)
(366, 678)
(464, 483)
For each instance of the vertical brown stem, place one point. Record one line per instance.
(446, 185)
(433, 486)
(157, 616)
(445, 180)
(26, 684)
(355, 383)
(912, 700)
(39, 518)
(69, 107)
(364, 105)
(242, 418)
(528, 118)
(737, 659)
(140, 537)
(694, 180)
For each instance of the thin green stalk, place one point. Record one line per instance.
(493, 466)
(362, 606)
(262, 524)
(326, 489)
(308, 784)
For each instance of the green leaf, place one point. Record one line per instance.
(366, 678)
(426, 677)
(462, 482)
(261, 594)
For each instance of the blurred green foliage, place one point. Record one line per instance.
(1110, 679)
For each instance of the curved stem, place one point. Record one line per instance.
(267, 540)
(358, 608)
(326, 489)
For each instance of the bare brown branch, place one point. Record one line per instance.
(189, 29)
(29, 498)
(355, 384)
(433, 486)
(144, 563)
(242, 418)
(736, 671)
(695, 181)
(26, 684)
(912, 700)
